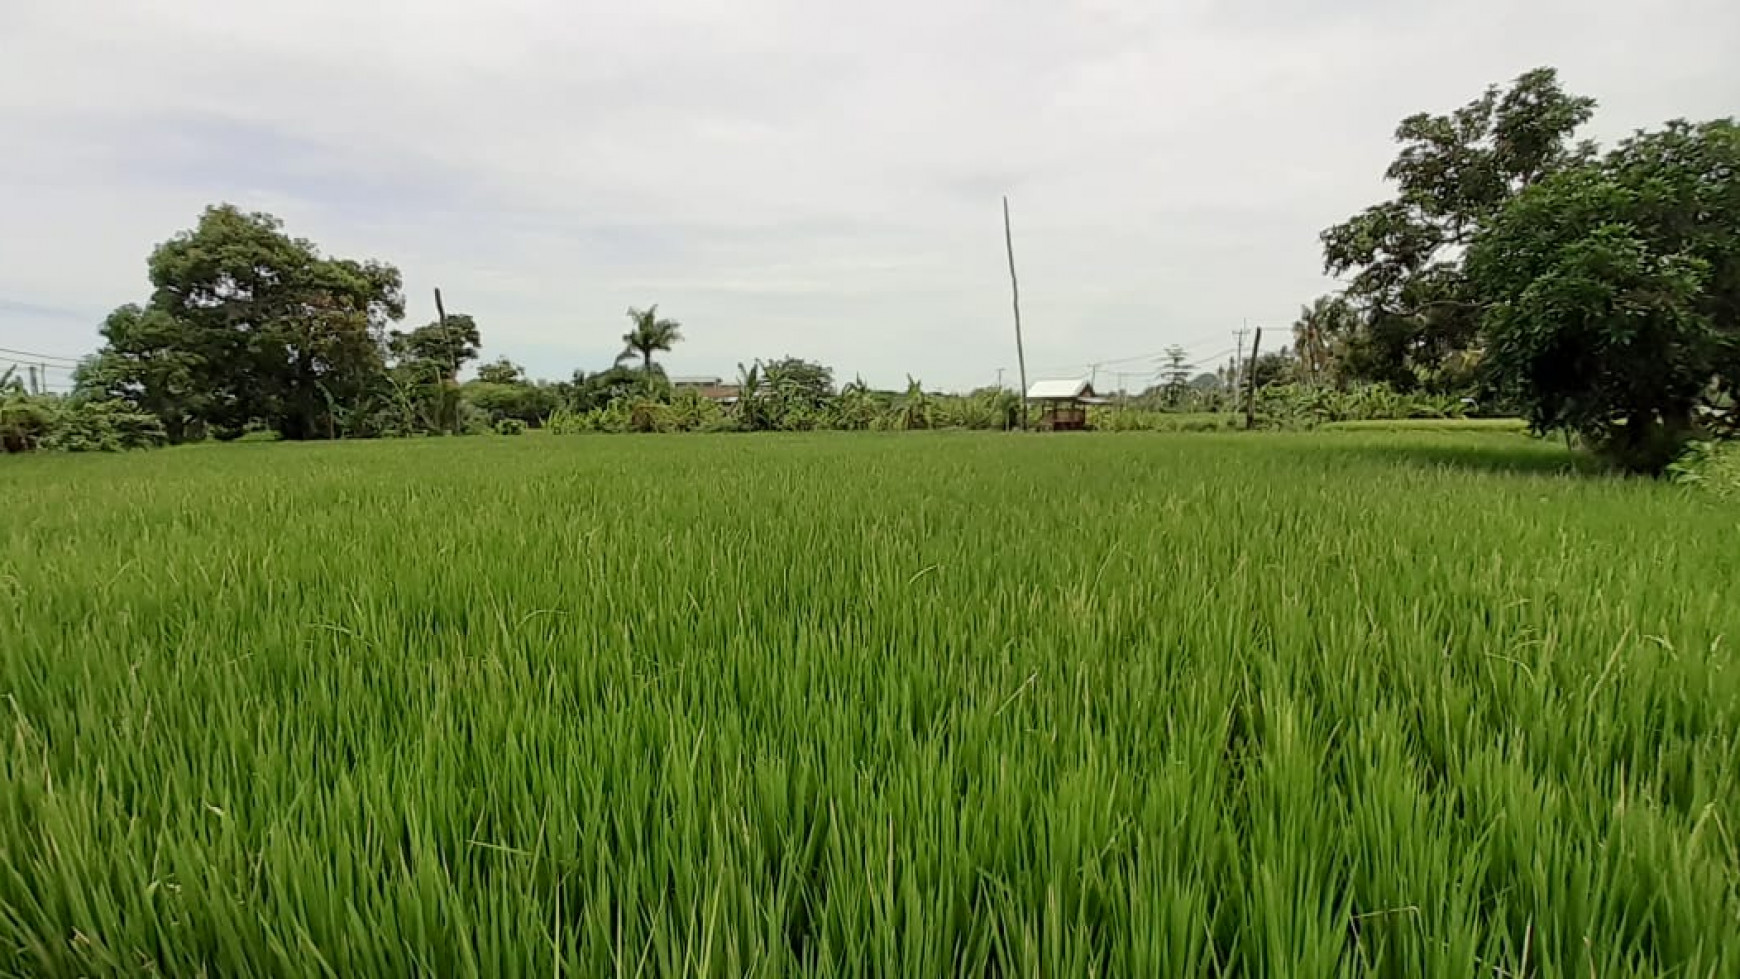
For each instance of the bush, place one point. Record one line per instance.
(510, 426)
(25, 420)
(103, 426)
(1710, 466)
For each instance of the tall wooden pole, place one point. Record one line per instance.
(452, 363)
(1015, 291)
(1251, 382)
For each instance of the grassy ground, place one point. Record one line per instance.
(1256, 704)
(1431, 425)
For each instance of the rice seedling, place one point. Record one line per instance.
(1387, 703)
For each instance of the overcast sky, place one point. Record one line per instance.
(783, 176)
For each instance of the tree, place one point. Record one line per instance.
(152, 361)
(425, 373)
(1453, 173)
(754, 411)
(502, 391)
(246, 324)
(1320, 336)
(501, 371)
(442, 347)
(1175, 375)
(1275, 367)
(519, 400)
(798, 390)
(1612, 292)
(586, 392)
(648, 335)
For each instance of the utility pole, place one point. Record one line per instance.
(1251, 383)
(1000, 378)
(1015, 292)
(1238, 378)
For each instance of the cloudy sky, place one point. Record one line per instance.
(784, 176)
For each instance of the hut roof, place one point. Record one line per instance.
(1077, 389)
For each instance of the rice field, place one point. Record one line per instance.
(1347, 703)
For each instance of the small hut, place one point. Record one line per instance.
(1063, 404)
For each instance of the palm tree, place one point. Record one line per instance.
(648, 334)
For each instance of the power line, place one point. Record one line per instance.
(37, 358)
(1088, 366)
(39, 366)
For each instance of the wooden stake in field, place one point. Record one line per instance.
(1251, 382)
(1015, 290)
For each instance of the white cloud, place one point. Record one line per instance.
(784, 177)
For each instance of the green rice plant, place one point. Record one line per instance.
(915, 703)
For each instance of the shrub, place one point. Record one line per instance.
(510, 426)
(1711, 466)
(103, 426)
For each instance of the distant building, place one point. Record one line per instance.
(711, 388)
(1063, 404)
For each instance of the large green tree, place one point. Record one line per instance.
(247, 324)
(1611, 292)
(1403, 257)
(648, 335)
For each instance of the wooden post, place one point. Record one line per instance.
(452, 364)
(1251, 382)
(1015, 291)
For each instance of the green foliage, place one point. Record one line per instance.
(422, 393)
(648, 335)
(916, 409)
(1130, 419)
(76, 424)
(1274, 367)
(588, 392)
(1412, 704)
(1612, 292)
(519, 400)
(246, 323)
(103, 426)
(1303, 405)
(502, 372)
(1453, 173)
(1711, 466)
(510, 426)
(438, 349)
(1322, 337)
(25, 418)
(1175, 377)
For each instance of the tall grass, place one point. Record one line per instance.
(867, 705)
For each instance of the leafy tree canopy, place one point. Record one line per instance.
(501, 371)
(1403, 257)
(1612, 292)
(648, 335)
(246, 323)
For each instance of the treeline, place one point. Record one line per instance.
(1516, 267)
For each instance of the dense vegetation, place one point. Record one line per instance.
(1598, 295)
(1265, 704)
(1516, 269)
